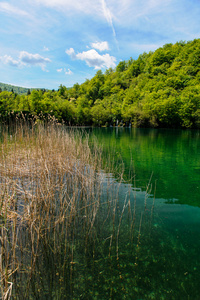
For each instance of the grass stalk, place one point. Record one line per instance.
(55, 215)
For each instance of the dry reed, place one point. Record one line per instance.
(48, 182)
(51, 210)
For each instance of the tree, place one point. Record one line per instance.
(121, 66)
(62, 90)
(35, 100)
(190, 107)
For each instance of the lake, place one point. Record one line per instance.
(128, 230)
(172, 155)
(169, 265)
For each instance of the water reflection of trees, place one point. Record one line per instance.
(172, 156)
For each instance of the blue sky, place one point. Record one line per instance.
(45, 43)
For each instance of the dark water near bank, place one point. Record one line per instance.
(168, 265)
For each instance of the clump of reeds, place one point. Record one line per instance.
(48, 182)
(54, 209)
(49, 194)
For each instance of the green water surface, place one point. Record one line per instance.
(168, 260)
(172, 155)
(144, 242)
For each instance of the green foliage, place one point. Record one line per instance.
(159, 89)
(13, 88)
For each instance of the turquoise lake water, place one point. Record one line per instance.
(143, 237)
(167, 265)
(172, 155)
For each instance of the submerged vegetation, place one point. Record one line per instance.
(71, 231)
(59, 223)
(159, 89)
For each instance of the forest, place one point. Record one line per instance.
(158, 89)
(14, 88)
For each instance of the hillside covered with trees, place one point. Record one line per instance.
(159, 89)
(13, 88)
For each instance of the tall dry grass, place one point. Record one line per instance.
(58, 212)
(48, 184)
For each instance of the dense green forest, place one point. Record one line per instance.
(15, 89)
(159, 89)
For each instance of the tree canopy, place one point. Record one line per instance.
(159, 89)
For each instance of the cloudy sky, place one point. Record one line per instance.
(45, 43)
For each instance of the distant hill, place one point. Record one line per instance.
(13, 88)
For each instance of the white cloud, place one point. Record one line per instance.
(10, 9)
(71, 53)
(33, 59)
(45, 49)
(101, 46)
(108, 15)
(26, 58)
(97, 8)
(8, 60)
(68, 72)
(93, 58)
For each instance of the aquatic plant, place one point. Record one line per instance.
(59, 212)
(69, 230)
